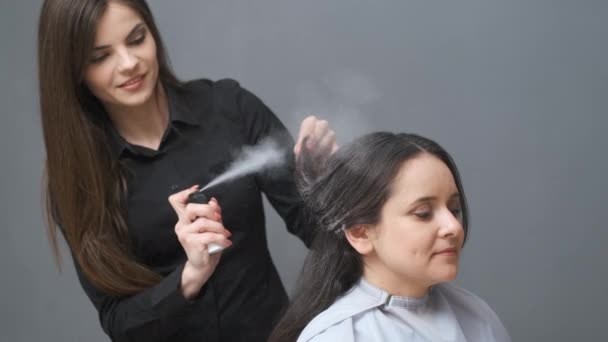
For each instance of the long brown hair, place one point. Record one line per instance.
(85, 184)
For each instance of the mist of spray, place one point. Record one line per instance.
(346, 98)
(349, 93)
(265, 155)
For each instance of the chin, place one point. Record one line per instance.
(446, 274)
(135, 99)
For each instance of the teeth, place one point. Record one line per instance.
(133, 81)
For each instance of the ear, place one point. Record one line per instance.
(360, 237)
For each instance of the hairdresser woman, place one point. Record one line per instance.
(123, 135)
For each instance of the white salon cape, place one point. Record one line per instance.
(367, 313)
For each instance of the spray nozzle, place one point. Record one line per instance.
(198, 197)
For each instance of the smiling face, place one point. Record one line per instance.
(418, 239)
(123, 66)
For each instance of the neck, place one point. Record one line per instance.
(142, 125)
(392, 283)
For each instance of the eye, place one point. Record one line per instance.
(140, 39)
(424, 213)
(457, 212)
(98, 58)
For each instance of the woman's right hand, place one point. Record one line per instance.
(197, 226)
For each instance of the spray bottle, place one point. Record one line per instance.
(199, 197)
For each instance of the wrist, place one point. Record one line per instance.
(193, 279)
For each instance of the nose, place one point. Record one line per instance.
(450, 225)
(127, 61)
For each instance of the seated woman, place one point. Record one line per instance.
(392, 219)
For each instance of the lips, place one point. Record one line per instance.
(447, 251)
(132, 81)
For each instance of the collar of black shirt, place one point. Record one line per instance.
(181, 111)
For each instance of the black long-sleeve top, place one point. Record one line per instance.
(209, 122)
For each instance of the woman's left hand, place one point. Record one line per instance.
(320, 137)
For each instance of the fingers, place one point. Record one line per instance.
(196, 237)
(202, 225)
(197, 246)
(334, 148)
(199, 242)
(320, 137)
(201, 218)
(307, 127)
(200, 228)
(216, 206)
(211, 211)
(321, 129)
(178, 201)
(327, 143)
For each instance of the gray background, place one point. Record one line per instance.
(516, 90)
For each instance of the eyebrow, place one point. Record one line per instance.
(130, 35)
(433, 198)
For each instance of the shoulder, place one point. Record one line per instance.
(337, 320)
(216, 99)
(463, 298)
(467, 304)
(204, 86)
(226, 101)
(224, 94)
(342, 331)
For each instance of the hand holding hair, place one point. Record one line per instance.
(320, 137)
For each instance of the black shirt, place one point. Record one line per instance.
(209, 123)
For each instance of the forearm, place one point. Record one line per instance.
(143, 316)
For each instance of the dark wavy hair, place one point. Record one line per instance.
(349, 189)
